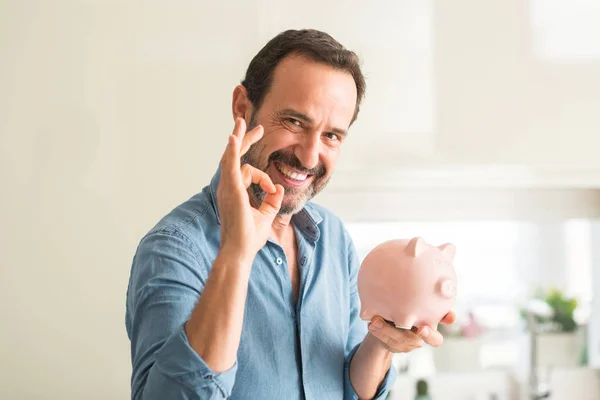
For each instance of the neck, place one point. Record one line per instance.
(280, 227)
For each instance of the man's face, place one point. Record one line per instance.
(305, 116)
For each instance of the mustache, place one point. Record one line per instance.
(293, 161)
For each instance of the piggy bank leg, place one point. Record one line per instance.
(405, 322)
(366, 314)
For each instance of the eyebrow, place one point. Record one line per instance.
(308, 120)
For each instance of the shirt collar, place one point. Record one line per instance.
(307, 216)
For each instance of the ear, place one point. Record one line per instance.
(448, 250)
(241, 106)
(415, 247)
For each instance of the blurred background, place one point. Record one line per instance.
(481, 127)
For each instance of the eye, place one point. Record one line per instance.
(332, 136)
(292, 124)
(293, 121)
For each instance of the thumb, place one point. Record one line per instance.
(272, 203)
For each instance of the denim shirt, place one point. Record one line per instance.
(288, 350)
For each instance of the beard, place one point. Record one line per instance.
(294, 199)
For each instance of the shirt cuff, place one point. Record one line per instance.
(382, 390)
(179, 361)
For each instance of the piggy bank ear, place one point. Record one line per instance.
(415, 247)
(448, 250)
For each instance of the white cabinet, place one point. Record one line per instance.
(594, 324)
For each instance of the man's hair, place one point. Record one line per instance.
(313, 44)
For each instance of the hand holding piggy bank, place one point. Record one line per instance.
(408, 282)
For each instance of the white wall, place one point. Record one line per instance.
(113, 112)
(509, 100)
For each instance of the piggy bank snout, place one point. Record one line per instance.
(447, 288)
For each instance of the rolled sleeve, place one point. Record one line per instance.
(179, 363)
(165, 284)
(382, 390)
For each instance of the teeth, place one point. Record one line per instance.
(291, 174)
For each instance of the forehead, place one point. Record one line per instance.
(313, 88)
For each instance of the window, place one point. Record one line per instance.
(499, 265)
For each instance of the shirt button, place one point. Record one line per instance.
(279, 261)
(303, 260)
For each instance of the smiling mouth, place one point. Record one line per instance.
(290, 174)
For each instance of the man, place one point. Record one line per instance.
(248, 290)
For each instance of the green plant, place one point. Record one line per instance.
(563, 310)
(422, 388)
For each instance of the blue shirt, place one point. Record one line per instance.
(287, 350)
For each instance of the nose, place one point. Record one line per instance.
(308, 150)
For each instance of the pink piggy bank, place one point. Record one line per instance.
(408, 282)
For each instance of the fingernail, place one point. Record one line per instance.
(425, 332)
(377, 324)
